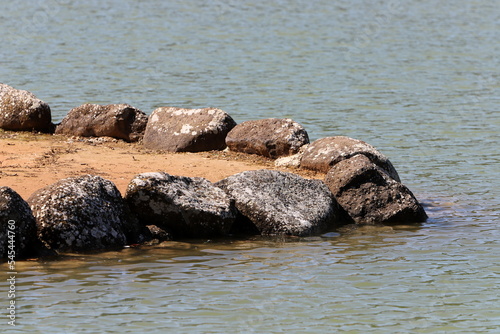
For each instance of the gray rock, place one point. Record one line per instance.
(82, 214)
(16, 217)
(20, 110)
(370, 195)
(281, 203)
(183, 206)
(272, 137)
(187, 130)
(120, 121)
(324, 153)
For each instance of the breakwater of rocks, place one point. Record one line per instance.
(87, 213)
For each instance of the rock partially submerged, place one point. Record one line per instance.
(183, 206)
(120, 121)
(272, 137)
(83, 214)
(370, 195)
(16, 217)
(281, 203)
(20, 110)
(324, 153)
(187, 130)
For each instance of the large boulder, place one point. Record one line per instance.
(183, 206)
(370, 195)
(83, 214)
(281, 203)
(18, 237)
(20, 110)
(187, 130)
(272, 137)
(322, 154)
(120, 121)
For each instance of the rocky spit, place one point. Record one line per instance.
(88, 213)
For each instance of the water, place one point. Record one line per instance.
(417, 79)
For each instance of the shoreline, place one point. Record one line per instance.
(30, 161)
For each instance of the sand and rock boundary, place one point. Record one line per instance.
(109, 176)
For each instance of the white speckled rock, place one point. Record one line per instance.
(20, 110)
(23, 237)
(82, 214)
(272, 137)
(120, 121)
(280, 203)
(324, 153)
(370, 196)
(182, 206)
(187, 130)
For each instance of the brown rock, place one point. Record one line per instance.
(324, 153)
(272, 137)
(187, 130)
(369, 195)
(120, 121)
(20, 110)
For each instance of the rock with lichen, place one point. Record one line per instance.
(18, 235)
(370, 195)
(181, 206)
(121, 121)
(281, 203)
(187, 130)
(324, 153)
(21, 110)
(83, 214)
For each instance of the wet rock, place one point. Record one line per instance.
(16, 217)
(82, 214)
(271, 137)
(159, 233)
(20, 110)
(324, 153)
(280, 203)
(187, 130)
(370, 195)
(184, 206)
(120, 121)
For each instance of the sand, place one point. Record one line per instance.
(30, 161)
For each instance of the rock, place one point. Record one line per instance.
(292, 160)
(16, 217)
(183, 206)
(82, 214)
(187, 130)
(120, 121)
(324, 153)
(272, 137)
(281, 203)
(159, 233)
(20, 110)
(370, 195)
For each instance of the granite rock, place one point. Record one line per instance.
(187, 130)
(324, 153)
(120, 121)
(281, 203)
(21, 110)
(272, 137)
(182, 206)
(370, 195)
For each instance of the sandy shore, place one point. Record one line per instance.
(31, 161)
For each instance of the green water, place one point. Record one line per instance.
(417, 79)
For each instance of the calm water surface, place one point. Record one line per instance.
(417, 79)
